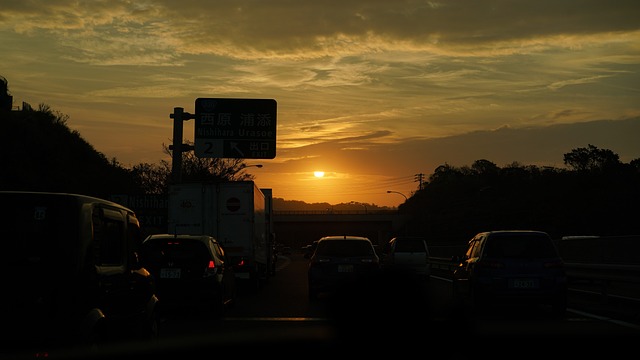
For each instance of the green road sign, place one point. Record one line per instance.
(235, 128)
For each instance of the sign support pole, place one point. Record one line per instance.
(178, 117)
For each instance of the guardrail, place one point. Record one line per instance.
(604, 272)
(608, 280)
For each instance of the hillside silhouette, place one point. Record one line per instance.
(39, 152)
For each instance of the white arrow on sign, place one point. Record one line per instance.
(234, 146)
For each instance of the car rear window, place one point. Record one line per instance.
(344, 248)
(410, 245)
(181, 251)
(520, 246)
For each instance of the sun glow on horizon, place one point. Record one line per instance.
(318, 174)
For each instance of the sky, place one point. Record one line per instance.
(374, 93)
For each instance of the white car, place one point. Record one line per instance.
(408, 254)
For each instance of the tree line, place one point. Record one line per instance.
(596, 194)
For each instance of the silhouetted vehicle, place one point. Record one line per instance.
(407, 255)
(512, 267)
(70, 274)
(309, 249)
(192, 272)
(341, 261)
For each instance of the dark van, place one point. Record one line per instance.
(70, 274)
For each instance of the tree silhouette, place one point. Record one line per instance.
(209, 169)
(591, 159)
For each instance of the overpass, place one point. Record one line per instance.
(292, 228)
(299, 228)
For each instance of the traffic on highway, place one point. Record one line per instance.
(392, 314)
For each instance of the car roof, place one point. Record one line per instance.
(409, 237)
(344, 237)
(180, 236)
(515, 232)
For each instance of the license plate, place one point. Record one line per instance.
(169, 273)
(345, 268)
(525, 284)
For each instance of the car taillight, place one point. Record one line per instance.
(210, 270)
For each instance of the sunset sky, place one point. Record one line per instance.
(372, 93)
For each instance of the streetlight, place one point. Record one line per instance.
(397, 192)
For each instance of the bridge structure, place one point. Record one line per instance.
(299, 228)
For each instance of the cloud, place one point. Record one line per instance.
(164, 31)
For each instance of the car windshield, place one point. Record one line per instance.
(344, 248)
(520, 246)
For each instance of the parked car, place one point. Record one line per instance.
(512, 267)
(70, 275)
(192, 273)
(340, 261)
(407, 255)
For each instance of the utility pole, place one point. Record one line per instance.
(420, 179)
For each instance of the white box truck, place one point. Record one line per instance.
(233, 212)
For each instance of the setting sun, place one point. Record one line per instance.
(318, 174)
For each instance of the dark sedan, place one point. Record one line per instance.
(340, 261)
(191, 272)
(512, 266)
